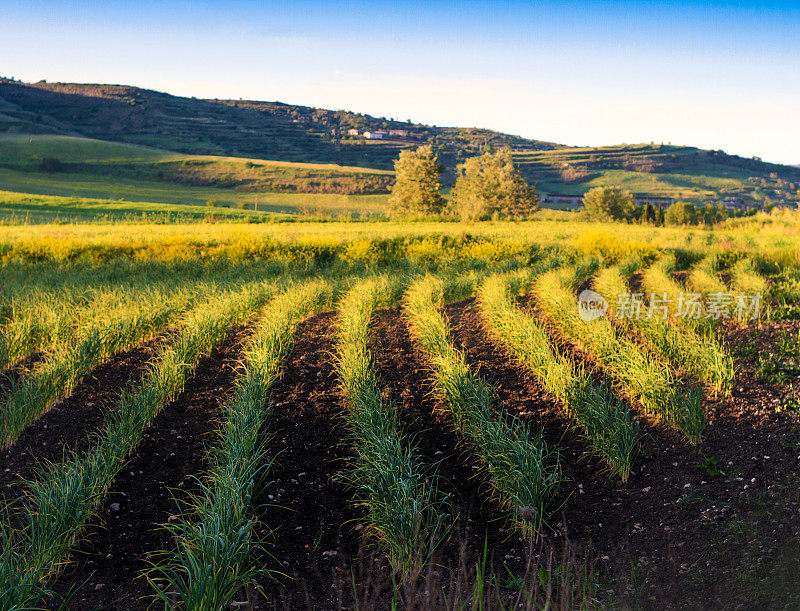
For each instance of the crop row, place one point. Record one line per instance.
(64, 366)
(701, 356)
(605, 421)
(57, 505)
(523, 472)
(215, 549)
(403, 509)
(643, 378)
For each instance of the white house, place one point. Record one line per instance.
(375, 135)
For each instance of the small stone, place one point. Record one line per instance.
(114, 506)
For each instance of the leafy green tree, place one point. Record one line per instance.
(711, 214)
(489, 185)
(648, 214)
(608, 203)
(681, 213)
(417, 183)
(659, 222)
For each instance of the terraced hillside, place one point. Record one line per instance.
(265, 130)
(281, 132)
(663, 170)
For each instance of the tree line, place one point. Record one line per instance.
(488, 186)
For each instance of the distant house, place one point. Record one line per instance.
(375, 135)
(353, 132)
(397, 133)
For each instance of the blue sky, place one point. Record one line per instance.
(718, 74)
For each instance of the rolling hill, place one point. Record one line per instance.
(70, 166)
(187, 150)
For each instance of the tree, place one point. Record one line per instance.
(681, 213)
(417, 183)
(608, 203)
(711, 214)
(659, 222)
(489, 185)
(648, 214)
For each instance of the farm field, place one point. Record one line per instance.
(399, 415)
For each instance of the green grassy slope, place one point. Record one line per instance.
(89, 168)
(266, 130)
(220, 146)
(674, 171)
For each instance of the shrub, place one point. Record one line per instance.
(681, 213)
(608, 203)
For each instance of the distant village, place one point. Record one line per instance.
(392, 134)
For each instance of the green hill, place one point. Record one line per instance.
(264, 130)
(672, 171)
(82, 167)
(60, 139)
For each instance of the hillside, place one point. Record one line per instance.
(236, 136)
(265, 130)
(85, 168)
(662, 170)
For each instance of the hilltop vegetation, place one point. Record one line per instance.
(267, 130)
(663, 170)
(212, 145)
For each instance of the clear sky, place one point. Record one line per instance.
(715, 74)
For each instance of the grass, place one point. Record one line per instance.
(214, 556)
(112, 171)
(43, 319)
(51, 199)
(643, 378)
(604, 420)
(703, 277)
(523, 472)
(58, 504)
(702, 357)
(746, 280)
(107, 333)
(403, 512)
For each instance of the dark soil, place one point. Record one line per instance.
(108, 567)
(308, 506)
(675, 516)
(714, 526)
(408, 384)
(68, 424)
